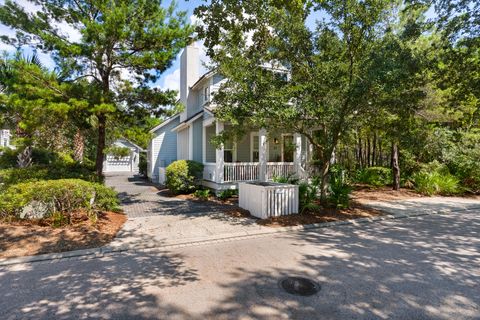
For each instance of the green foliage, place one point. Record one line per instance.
(41, 172)
(434, 179)
(8, 158)
(375, 176)
(124, 46)
(355, 62)
(183, 176)
(118, 152)
(202, 194)
(291, 178)
(142, 164)
(226, 194)
(308, 194)
(61, 197)
(339, 189)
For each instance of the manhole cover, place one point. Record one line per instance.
(299, 286)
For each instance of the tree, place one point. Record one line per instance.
(123, 46)
(281, 74)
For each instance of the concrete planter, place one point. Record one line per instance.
(265, 199)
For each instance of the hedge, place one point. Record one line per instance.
(44, 199)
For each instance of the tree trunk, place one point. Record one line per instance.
(380, 153)
(360, 152)
(374, 151)
(369, 163)
(78, 146)
(324, 170)
(395, 167)
(102, 120)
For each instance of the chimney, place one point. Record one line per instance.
(189, 70)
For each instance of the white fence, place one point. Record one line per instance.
(265, 200)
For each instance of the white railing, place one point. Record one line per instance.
(241, 171)
(250, 171)
(280, 169)
(209, 172)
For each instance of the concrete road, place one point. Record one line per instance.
(416, 268)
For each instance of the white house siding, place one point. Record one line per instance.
(183, 138)
(162, 149)
(197, 127)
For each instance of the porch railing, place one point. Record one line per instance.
(280, 169)
(241, 171)
(250, 171)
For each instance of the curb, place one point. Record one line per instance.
(102, 251)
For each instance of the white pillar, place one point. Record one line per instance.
(204, 144)
(262, 144)
(297, 157)
(190, 142)
(219, 156)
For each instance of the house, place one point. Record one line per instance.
(128, 163)
(258, 156)
(5, 136)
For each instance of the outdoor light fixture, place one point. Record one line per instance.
(275, 140)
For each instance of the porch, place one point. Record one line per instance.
(259, 156)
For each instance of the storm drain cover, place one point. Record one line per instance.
(299, 286)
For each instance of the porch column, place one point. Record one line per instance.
(262, 145)
(297, 157)
(219, 155)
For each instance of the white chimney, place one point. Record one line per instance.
(189, 71)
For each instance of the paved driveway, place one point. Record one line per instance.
(156, 220)
(416, 268)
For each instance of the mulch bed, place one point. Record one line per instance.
(321, 215)
(25, 238)
(365, 193)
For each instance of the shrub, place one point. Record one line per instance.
(57, 199)
(9, 157)
(308, 194)
(202, 194)
(226, 194)
(339, 189)
(142, 164)
(291, 178)
(52, 172)
(183, 176)
(375, 176)
(436, 182)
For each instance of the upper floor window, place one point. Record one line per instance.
(206, 94)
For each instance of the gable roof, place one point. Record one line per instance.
(164, 123)
(189, 120)
(207, 75)
(130, 142)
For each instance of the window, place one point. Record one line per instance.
(228, 148)
(206, 94)
(288, 148)
(255, 149)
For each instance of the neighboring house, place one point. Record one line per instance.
(258, 156)
(5, 136)
(112, 163)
